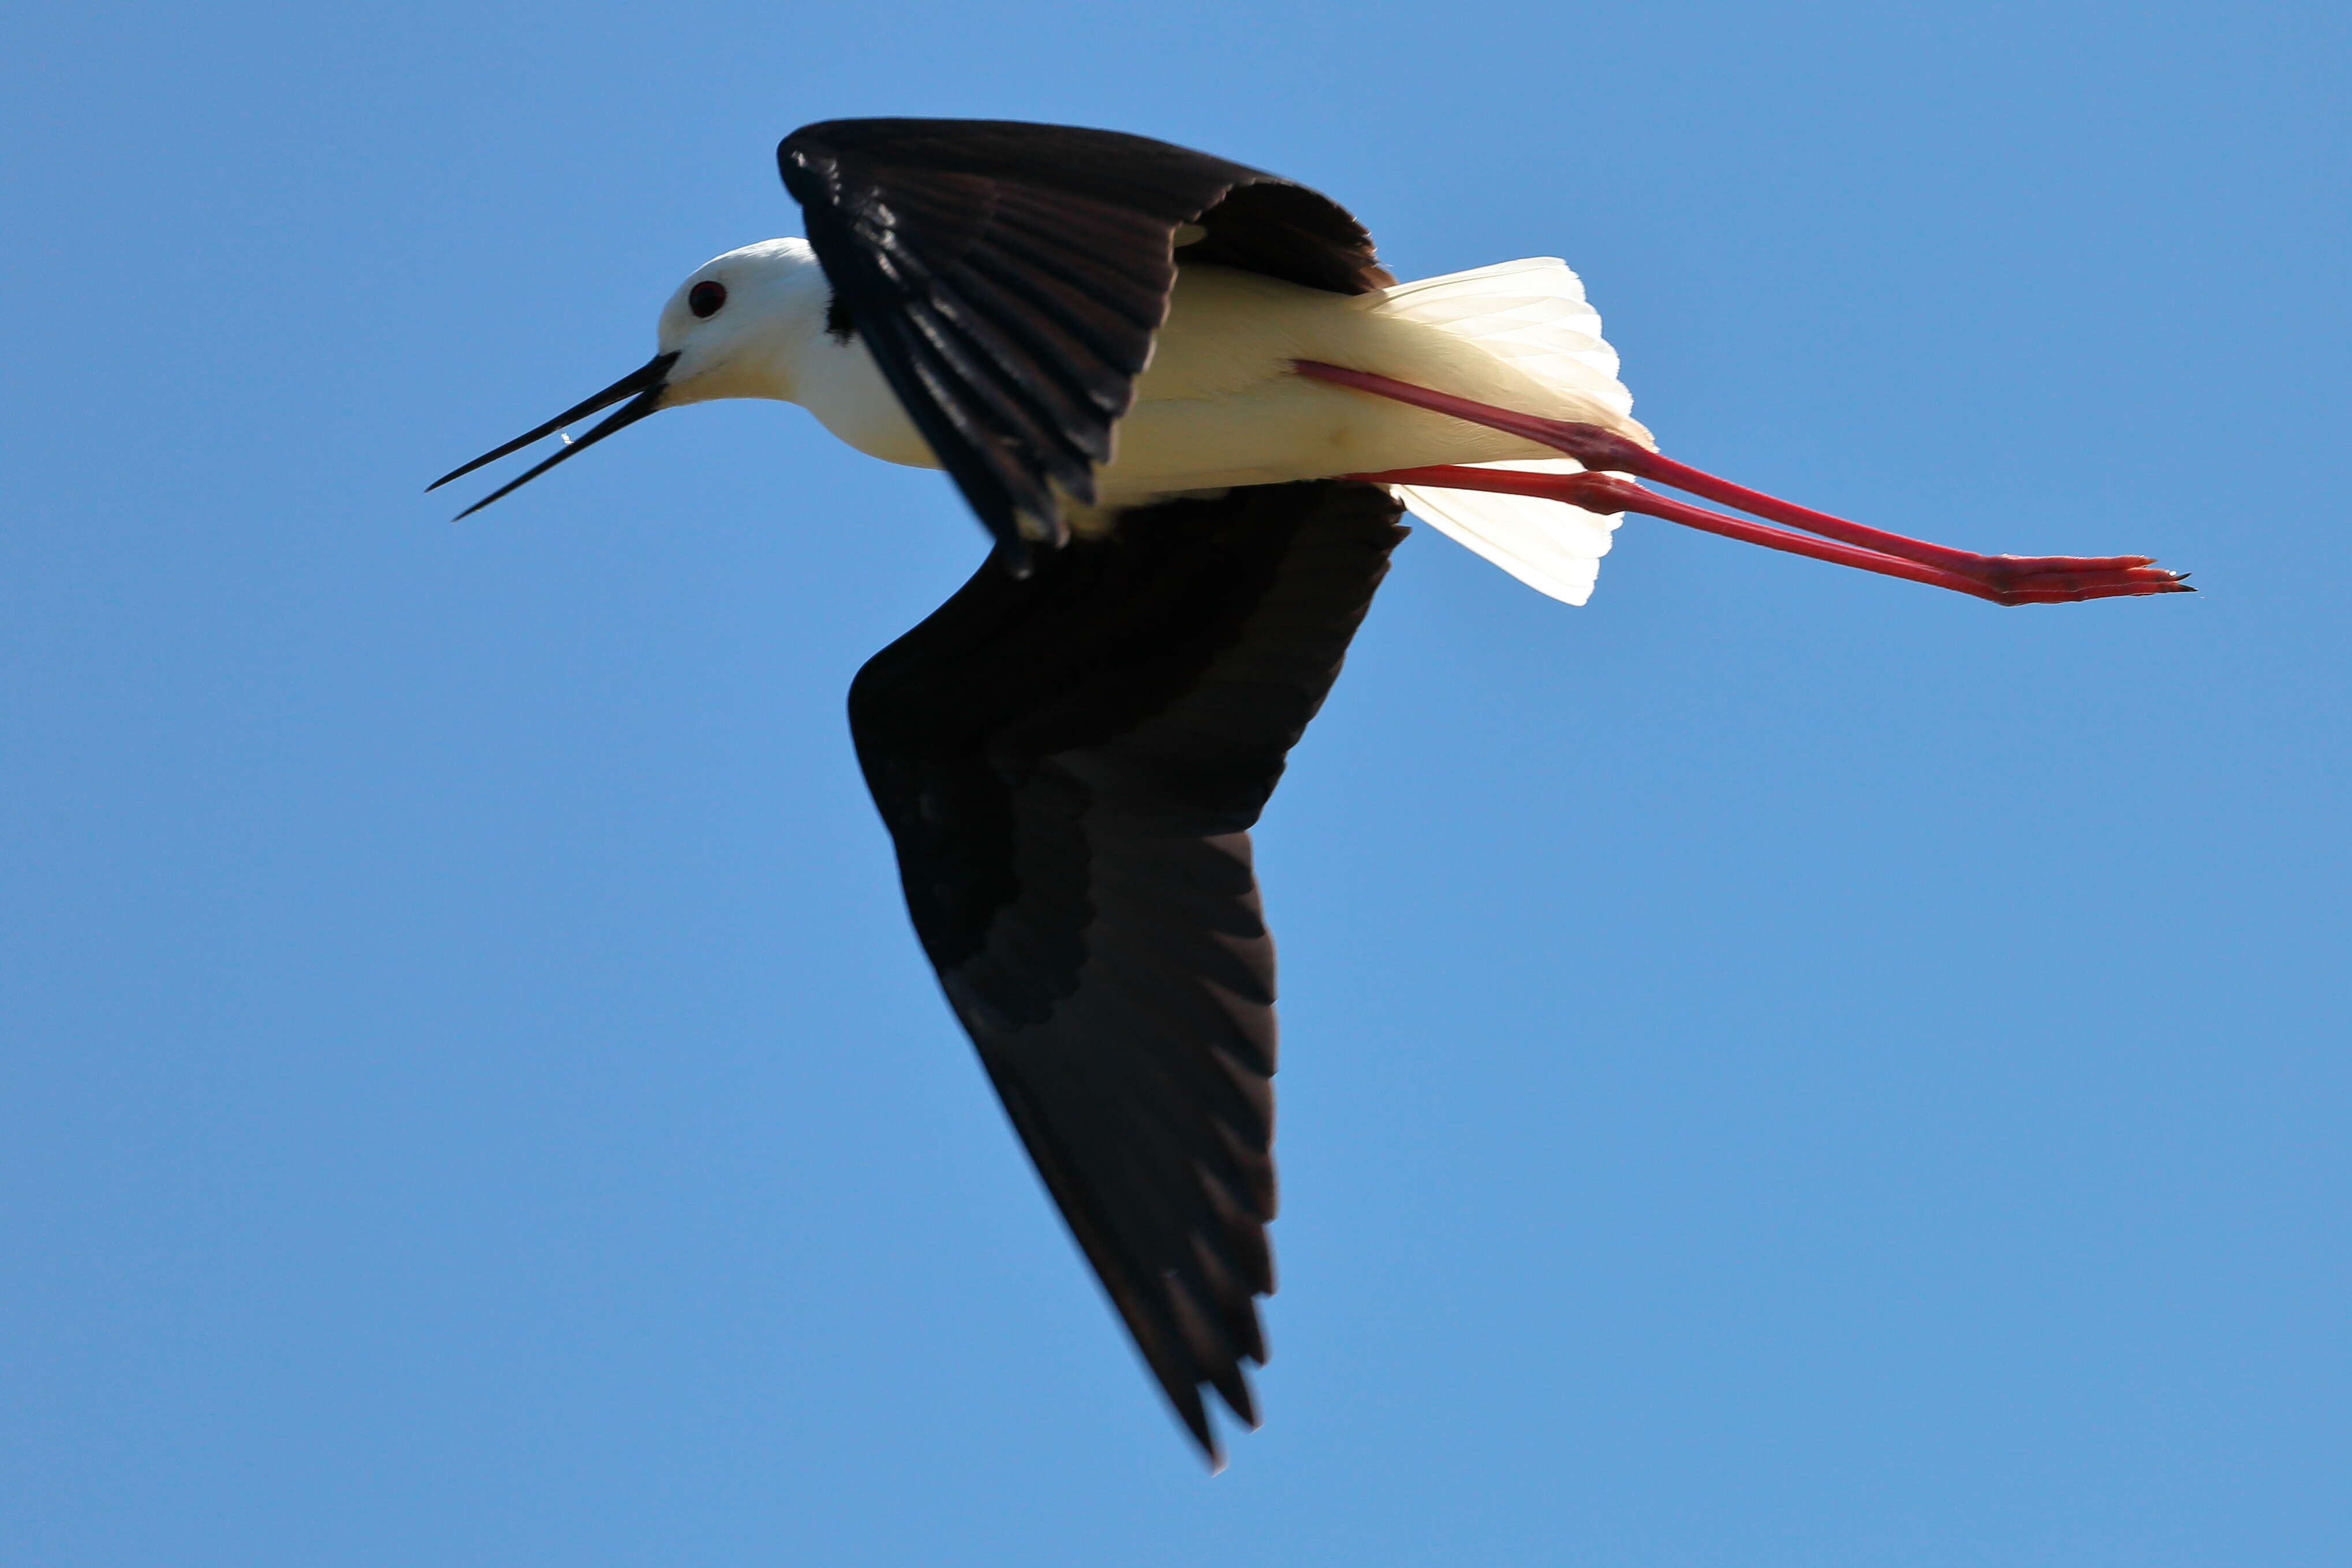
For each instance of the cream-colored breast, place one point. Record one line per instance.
(1220, 404)
(841, 385)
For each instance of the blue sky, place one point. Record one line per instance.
(1782, 1067)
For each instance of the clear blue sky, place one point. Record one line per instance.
(1782, 1067)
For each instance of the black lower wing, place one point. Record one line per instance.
(1069, 765)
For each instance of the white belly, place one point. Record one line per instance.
(1219, 403)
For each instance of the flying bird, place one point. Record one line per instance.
(1189, 407)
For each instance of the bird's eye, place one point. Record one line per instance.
(705, 298)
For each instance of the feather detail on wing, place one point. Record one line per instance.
(1008, 279)
(1069, 765)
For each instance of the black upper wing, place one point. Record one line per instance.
(1068, 764)
(1008, 279)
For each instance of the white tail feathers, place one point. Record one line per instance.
(1532, 314)
(1552, 548)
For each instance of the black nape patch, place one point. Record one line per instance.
(837, 324)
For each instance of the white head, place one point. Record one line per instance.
(740, 326)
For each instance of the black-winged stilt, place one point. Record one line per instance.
(1190, 407)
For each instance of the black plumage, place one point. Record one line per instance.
(1070, 753)
(1008, 279)
(1069, 765)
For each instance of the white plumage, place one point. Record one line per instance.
(1220, 404)
(1532, 313)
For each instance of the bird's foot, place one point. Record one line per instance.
(2001, 579)
(2068, 579)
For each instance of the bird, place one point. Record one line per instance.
(1190, 409)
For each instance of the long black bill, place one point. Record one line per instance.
(647, 381)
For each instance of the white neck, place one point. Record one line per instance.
(769, 340)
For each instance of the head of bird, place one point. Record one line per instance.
(737, 327)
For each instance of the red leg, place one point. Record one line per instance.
(1607, 493)
(2003, 579)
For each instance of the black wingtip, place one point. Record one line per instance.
(1213, 1453)
(1211, 632)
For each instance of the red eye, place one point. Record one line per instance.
(705, 298)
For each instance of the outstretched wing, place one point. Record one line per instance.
(1069, 765)
(1008, 279)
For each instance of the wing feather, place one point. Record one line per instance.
(1068, 764)
(1009, 278)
